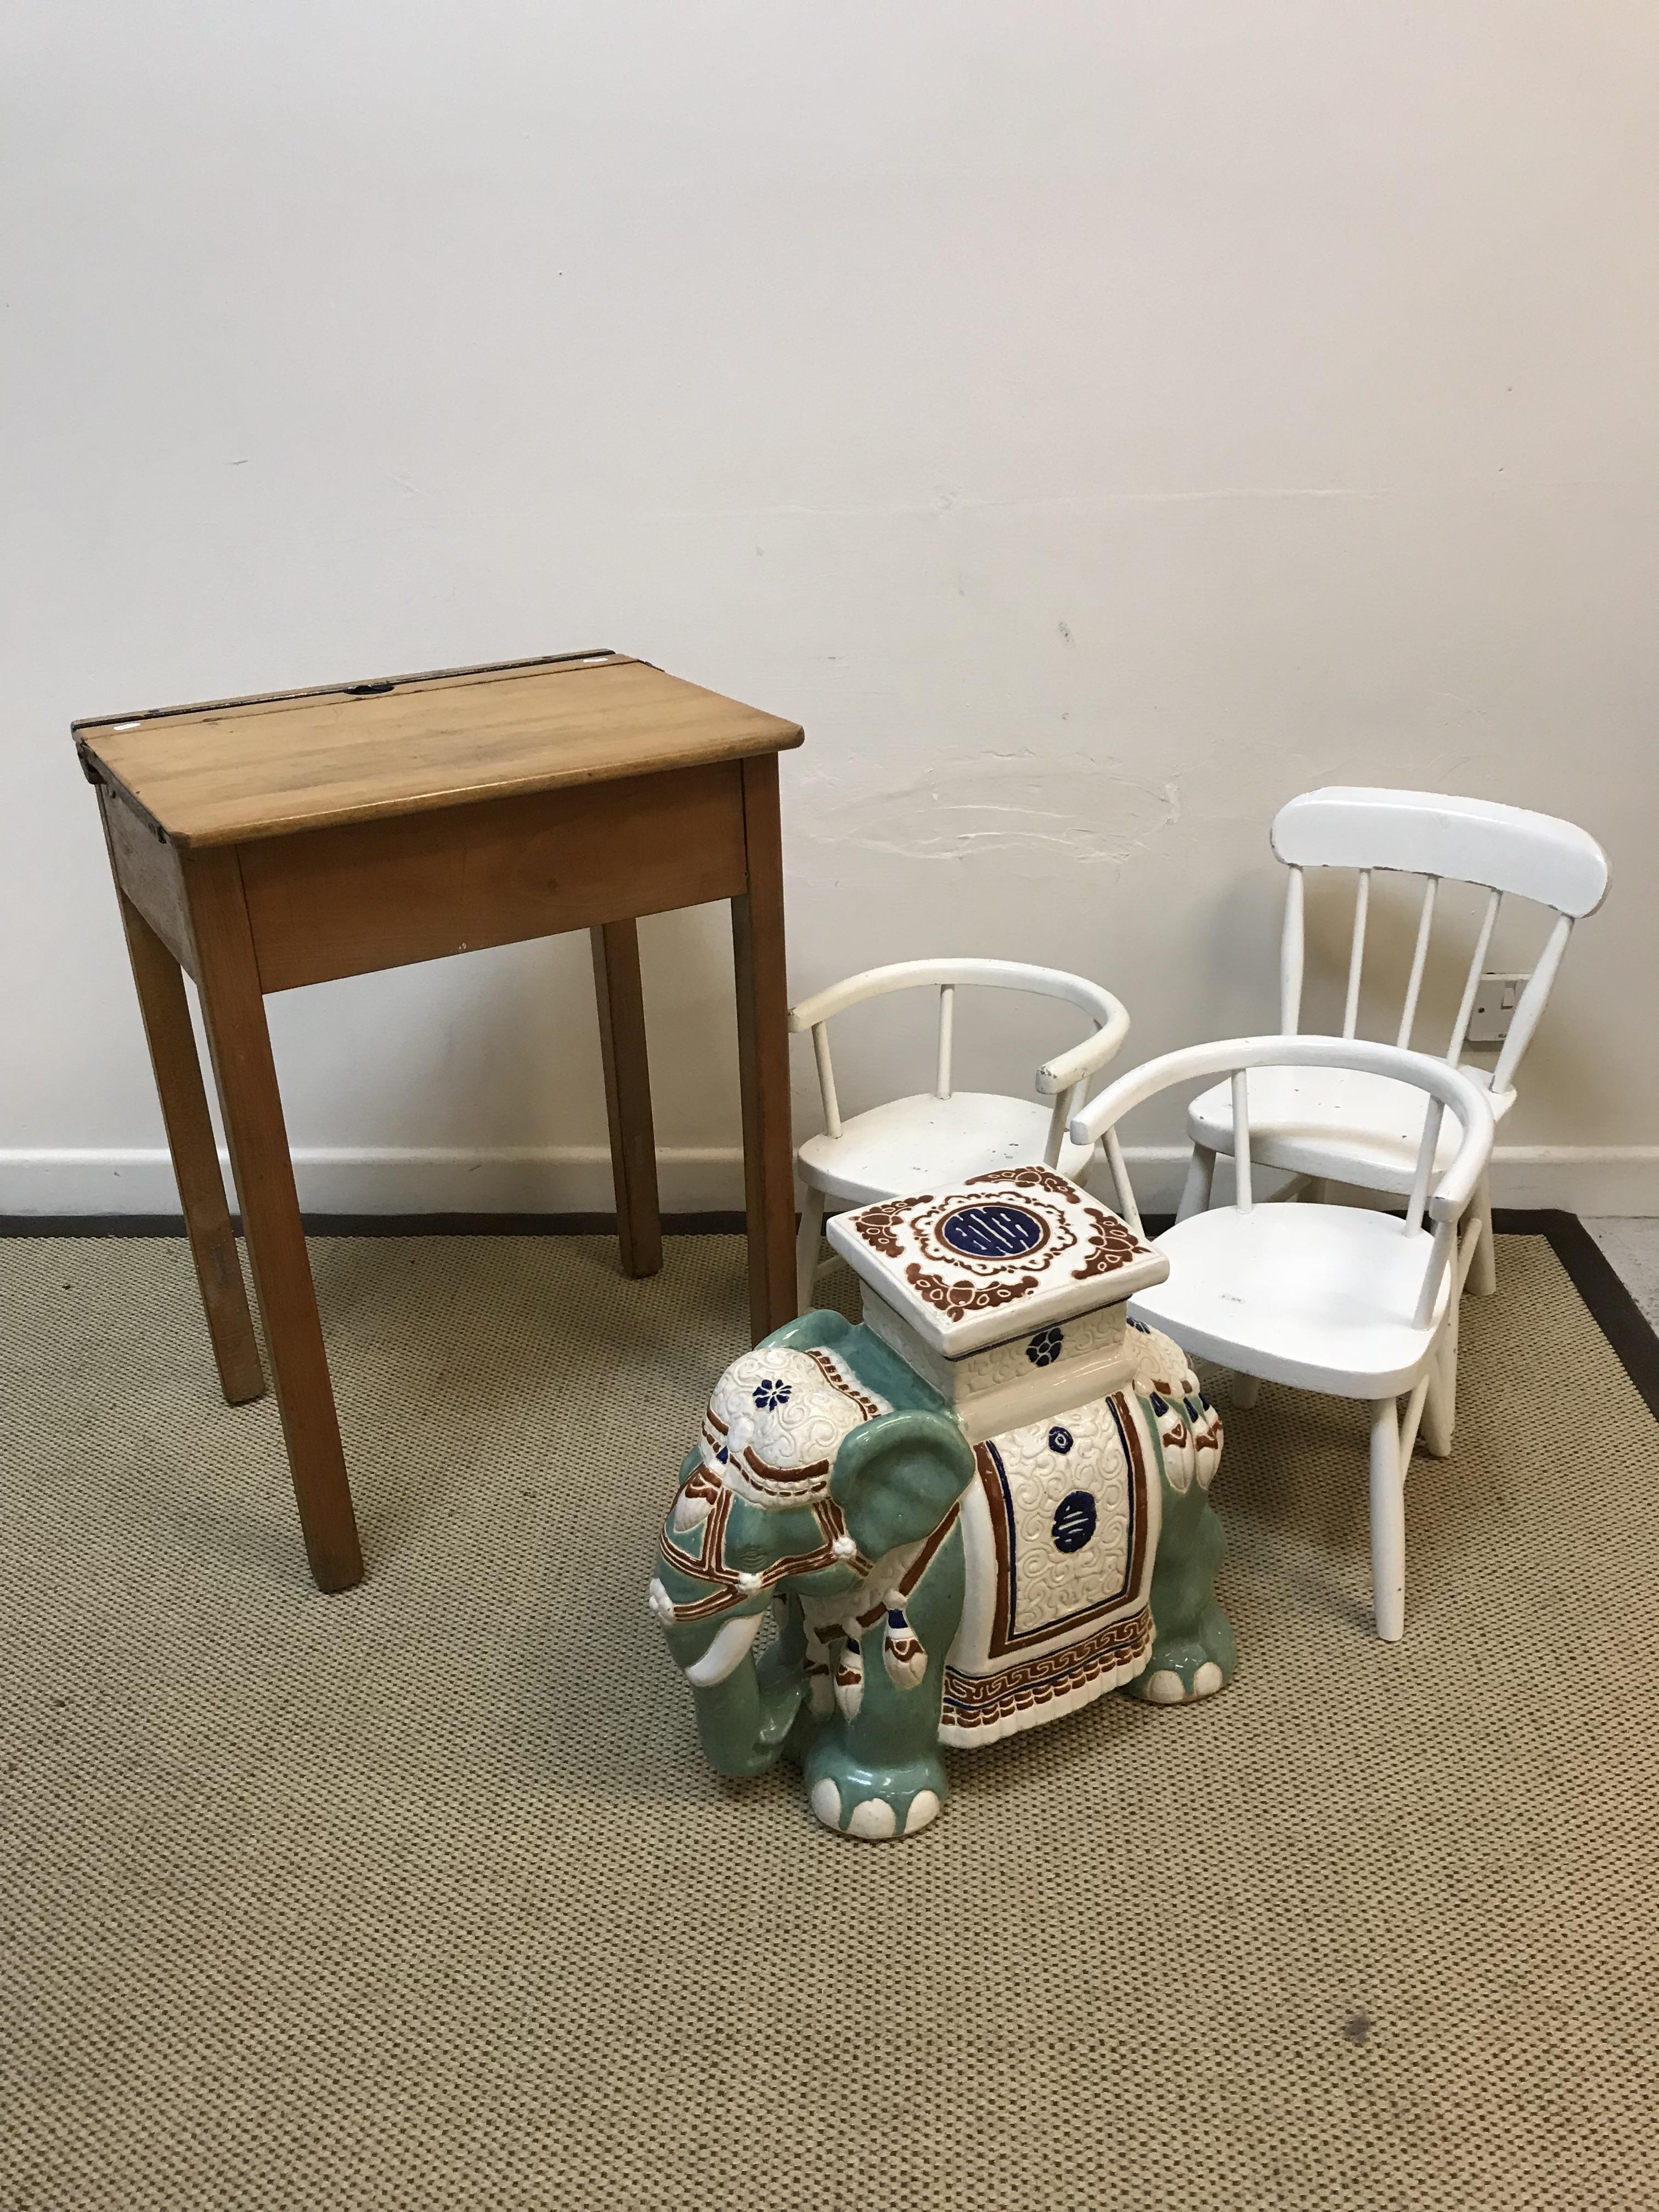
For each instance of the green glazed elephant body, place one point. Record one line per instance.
(927, 1589)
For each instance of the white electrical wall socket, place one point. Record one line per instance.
(1496, 998)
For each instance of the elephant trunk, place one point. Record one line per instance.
(745, 1709)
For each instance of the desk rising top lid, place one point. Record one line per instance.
(234, 769)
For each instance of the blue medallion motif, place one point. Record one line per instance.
(1060, 1440)
(1045, 1347)
(1074, 1521)
(993, 1232)
(770, 1393)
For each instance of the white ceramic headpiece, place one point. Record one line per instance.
(776, 1420)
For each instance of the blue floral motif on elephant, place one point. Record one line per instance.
(1060, 1440)
(1045, 1347)
(770, 1393)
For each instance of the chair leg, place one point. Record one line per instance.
(1387, 1522)
(808, 1239)
(1440, 1406)
(1200, 1181)
(1483, 1269)
(1242, 1389)
(1435, 1434)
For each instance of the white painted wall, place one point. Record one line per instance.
(1095, 424)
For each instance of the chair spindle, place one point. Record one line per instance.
(947, 1015)
(1424, 1169)
(1121, 1183)
(1477, 966)
(1065, 1104)
(1420, 960)
(1530, 1011)
(1362, 900)
(1243, 1197)
(826, 1078)
(1289, 958)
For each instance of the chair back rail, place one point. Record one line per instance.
(1065, 1077)
(1503, 850)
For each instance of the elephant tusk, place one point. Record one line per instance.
(725, 1653)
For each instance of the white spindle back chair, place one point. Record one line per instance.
(1335, 1298)
(1354, 1127)
(943, 1136)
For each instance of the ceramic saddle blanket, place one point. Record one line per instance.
(1060, 1531)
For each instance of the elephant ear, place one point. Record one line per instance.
(897, 1476)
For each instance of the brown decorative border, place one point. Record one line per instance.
(1112, 1244)
(955, 1299)
(875, 1222)
(841, 1384)
(979, 1700)
(1033, 1178)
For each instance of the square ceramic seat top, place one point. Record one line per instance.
(1007, 1253)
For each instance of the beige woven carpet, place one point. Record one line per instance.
(420, 1896)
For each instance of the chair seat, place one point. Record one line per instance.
(927, 1143)
(1318, 1296)
(1336, 1122)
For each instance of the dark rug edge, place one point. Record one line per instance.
(1593, 1275)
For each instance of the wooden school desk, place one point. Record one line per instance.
(261, 843)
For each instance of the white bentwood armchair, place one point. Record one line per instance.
(939, 1137)
(1335, 1298)
(1353, 1124)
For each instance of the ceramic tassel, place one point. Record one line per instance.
(849, 1676)
(902, 1650)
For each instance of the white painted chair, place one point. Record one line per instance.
(1347, 1123)
(1336, 1298)
(941, 1137)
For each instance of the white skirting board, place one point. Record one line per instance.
(1588, 1179)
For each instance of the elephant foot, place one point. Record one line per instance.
(1183, 1669)
(872, 1801)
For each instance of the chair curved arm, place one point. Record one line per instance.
(1083, 1060)
(1056, 1075)
(913, 975)
(1449, 1084)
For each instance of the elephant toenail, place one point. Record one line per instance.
(873, 1819)
(924, 1808)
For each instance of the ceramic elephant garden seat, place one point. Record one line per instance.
(978, 1509)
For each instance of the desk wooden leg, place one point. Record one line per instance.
(195, 1158)
(763, 1056)
(621, 1001)
(233, 1008)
